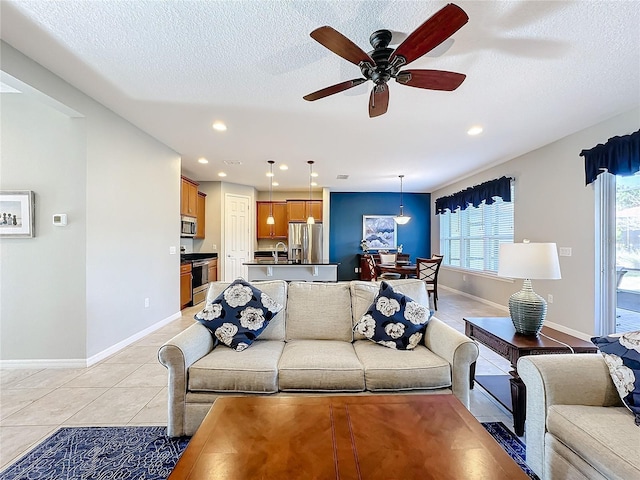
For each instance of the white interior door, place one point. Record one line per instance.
(236, 236)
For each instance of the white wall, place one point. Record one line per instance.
(39, 319)
(127, 187)
(552, 204)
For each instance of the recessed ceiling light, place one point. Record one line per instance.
(275, 184)
(233, 162)
(284, 167)
(475, 130)
(270, 174)
(314, 184)
(219, 126)
(314, 174)
(203, 160)
(222, 174)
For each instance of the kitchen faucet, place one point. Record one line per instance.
(275, 251)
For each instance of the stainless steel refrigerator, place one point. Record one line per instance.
(305, 243)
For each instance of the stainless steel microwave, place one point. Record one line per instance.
(187, 227)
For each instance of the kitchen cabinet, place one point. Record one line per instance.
(200, 214)
(185, 285)
(213, 270)
(280, 228)
(298, 210)
(189, 197)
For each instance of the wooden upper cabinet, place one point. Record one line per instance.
(189, 197)
(280, 228)
(299, 210)
(315, 207)
(200, 214)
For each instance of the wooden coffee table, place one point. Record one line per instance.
(343, 437)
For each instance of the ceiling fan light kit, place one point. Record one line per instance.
(384, 63)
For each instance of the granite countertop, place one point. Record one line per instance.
(188, 257)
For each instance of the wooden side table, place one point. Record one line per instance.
(499, 334)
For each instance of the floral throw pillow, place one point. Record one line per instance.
(238, 315)
(622, 356)
(394, 320)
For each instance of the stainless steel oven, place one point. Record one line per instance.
(200, 280)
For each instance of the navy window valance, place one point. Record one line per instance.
(500, 187)
(619, 156)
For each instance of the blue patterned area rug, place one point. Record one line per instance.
(511, 444)
(144, 453)
(100, 453)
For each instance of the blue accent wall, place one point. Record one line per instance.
(345, 233)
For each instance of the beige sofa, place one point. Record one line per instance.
(577, 426)
(310, 347)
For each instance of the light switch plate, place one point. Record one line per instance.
(565, 251)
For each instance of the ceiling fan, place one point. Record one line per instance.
(384, 63)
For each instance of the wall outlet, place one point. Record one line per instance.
(549, 298)
(214, 247)
(356, 270)
(172, 250)
(464, 278)
(146, 302)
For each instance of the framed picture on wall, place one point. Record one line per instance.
(16, 214)
(379, 231)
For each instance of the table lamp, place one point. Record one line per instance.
(528, 261)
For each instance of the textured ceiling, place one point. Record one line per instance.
(536, 72)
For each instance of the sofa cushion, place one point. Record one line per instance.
(319, 311)
(223, 370)
(622, 356)
(394, 320)
(276, 289)
(388, 369)
(602, 436)
(238, 315)
(363, 293)
(320, 365)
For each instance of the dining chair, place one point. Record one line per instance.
(428, 269)
(388, 258)
(370, 265)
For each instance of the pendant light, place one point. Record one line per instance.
(270, 219)
(401, 219)
(310, 219)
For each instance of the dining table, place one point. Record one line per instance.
(404, 269)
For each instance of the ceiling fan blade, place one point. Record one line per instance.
(340, 87)
(378, 100)
(431, 33)
(431, 79)
(340, 45)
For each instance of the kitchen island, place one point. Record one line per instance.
(285, 270)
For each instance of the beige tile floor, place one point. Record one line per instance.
(130, 387)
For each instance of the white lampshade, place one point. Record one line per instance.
(402, 219)
(529, 260)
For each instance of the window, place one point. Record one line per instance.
(471, 238)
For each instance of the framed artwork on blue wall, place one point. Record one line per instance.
(379, 231)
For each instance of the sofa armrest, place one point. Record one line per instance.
(563, 379)
(457, 349)
(178, 354)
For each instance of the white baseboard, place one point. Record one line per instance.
(477, 299)
(87, 362)
(555, 326)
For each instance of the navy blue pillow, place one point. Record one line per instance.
(394, 320)
(238, 315)
(622, 356)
